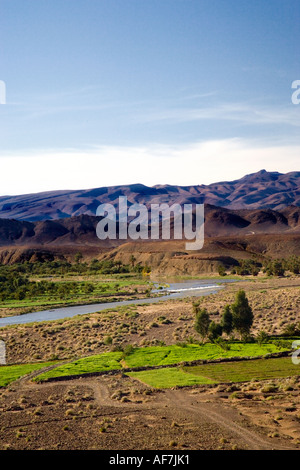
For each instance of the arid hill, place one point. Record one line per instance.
(229, 236)
(81, 230)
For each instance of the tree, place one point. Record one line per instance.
(196, 306)
(202, 323)
(275, 268)
(146, 270)
(78, 257)
(221, 270)
(227, 320)
(132, 260)
(278, 268)
(255, 271)
(247, 267)
(242, 315)
(214, 331)
(294, 265)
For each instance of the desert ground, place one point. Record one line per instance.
(114, 411)
(117, 413)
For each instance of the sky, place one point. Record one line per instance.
(107, 92)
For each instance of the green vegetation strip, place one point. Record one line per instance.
(11, 373)
(169, 377)
(167, 355)
(160, 355)
(99, 363)
(243, 371)
(44, 292)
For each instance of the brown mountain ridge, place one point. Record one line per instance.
(81, 230)
(259, 190)
(257, 216)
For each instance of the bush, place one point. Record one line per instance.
(262, 337)
(108, 340)
(128, 349)
(221, 270)
(291, 330)
(223, 344)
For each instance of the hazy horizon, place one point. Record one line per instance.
(139, 183)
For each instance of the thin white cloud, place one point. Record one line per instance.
(184, 108)
(192, 164)
(241, 112)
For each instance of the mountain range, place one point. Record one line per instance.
(255, 216)
(259, 190)
(219, 222)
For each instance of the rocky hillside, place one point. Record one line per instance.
(81, 230)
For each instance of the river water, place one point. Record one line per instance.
(174, 290)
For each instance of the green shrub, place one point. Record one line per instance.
(108, 340)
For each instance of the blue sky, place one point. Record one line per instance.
(104, 92)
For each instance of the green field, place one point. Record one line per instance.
(241, 371)
(174, 354)
(158, 355)
(169, 377)
(260, 369)
(9, 374)
(99, 363)
(164, 355)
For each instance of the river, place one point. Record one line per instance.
(174, 290)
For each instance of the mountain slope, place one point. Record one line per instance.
(256, 191)
(81, 230)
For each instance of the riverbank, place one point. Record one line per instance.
(275, 303)
(159, 293)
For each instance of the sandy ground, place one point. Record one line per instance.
(118, 413)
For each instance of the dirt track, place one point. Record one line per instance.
(118, 413)
(225, 418)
